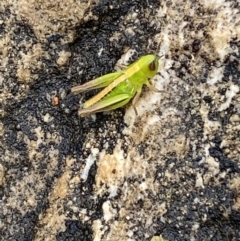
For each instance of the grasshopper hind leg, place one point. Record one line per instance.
(118, 105)
(124, 102)
(106, 105)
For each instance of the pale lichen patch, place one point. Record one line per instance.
(98, 230)
(63, 58)
(108, 211)
(52, 223)
(112, 169)
(235, 186)
(60, 189)
(210, 127)
(89, 162)
(50, 17)
(2, 174)
(158, 238)
(233, 90)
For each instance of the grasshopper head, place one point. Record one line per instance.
(149, 65)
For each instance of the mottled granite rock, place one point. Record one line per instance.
(170, 173)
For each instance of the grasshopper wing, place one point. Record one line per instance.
(97, 83)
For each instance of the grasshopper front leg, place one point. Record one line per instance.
(135, 99)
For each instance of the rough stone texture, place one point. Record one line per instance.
(170, 173)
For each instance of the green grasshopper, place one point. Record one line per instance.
(120, 87)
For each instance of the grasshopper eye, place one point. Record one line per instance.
(152, 66)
